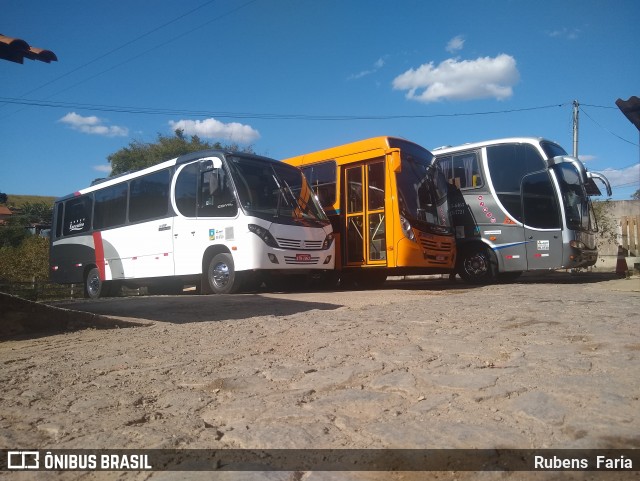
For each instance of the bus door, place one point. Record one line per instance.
(365, 230)
(541, 222)
(188, 237)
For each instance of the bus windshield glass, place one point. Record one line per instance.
(275, 192)
(577, 206)
(422, 190)
(552, 150)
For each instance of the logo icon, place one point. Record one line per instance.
(23, 459)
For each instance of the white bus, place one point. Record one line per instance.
(519, 204)
(219, 220)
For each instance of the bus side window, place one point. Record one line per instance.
(186, 190)
(149, 196)
(466, 172)
(59, 219)
(77, 215)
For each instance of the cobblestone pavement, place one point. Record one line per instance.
(547, 362)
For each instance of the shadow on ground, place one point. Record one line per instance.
(185, 308)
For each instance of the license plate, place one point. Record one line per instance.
(303, 257)
(440, 258)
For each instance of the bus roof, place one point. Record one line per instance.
(477, 145)
(116, 179)
(374, 143)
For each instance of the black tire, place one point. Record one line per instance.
(478, 265)
(222, 277)
(93, 285)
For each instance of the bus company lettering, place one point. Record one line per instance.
(76, 225)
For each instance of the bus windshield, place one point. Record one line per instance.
(422, 190)
(275, 192)
(577, 206)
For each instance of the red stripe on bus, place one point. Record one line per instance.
(99, 248)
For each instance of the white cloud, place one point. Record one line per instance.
(378, 64)
(587, 158)
(454, 79)
(93, 125)
(214, 129)
(102, 168)
(622, 177)
(455, 44)
(568, 33)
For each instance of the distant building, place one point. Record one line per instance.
(5, 214)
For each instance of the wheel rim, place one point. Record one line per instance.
(93, 285)
(220, 275)
(476, 265)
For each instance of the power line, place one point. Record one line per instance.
(190, 31)
(120, 47)
(247, 115)
(171, 40)
(604, 128)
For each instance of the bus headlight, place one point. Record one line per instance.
(264, 234)
(577, 244)
(327, 241)
(406, 228)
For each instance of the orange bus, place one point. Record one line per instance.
(388, 207)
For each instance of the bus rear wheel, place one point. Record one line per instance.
(478, 265)
(93, 285)
(222, 277)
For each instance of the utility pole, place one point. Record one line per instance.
(576, 109)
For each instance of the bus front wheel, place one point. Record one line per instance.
(221, 275)
(478, 265)
(93, 285)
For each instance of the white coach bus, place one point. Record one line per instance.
(219, 220)
(519, 204)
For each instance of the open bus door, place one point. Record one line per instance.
(365, 229)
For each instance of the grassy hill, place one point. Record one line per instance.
(18, 201)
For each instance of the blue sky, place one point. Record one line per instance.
(294, 76)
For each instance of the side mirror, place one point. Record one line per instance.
(210, 163)
(395, 160)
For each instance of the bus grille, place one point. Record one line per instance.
(300, 261)
(312, 245)
(431, 245)
(436, 252)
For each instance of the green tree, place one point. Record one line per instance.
(139, 155)
(15, 230)
(636, 195)
(27, 261)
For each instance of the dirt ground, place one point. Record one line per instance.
(550, 361)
